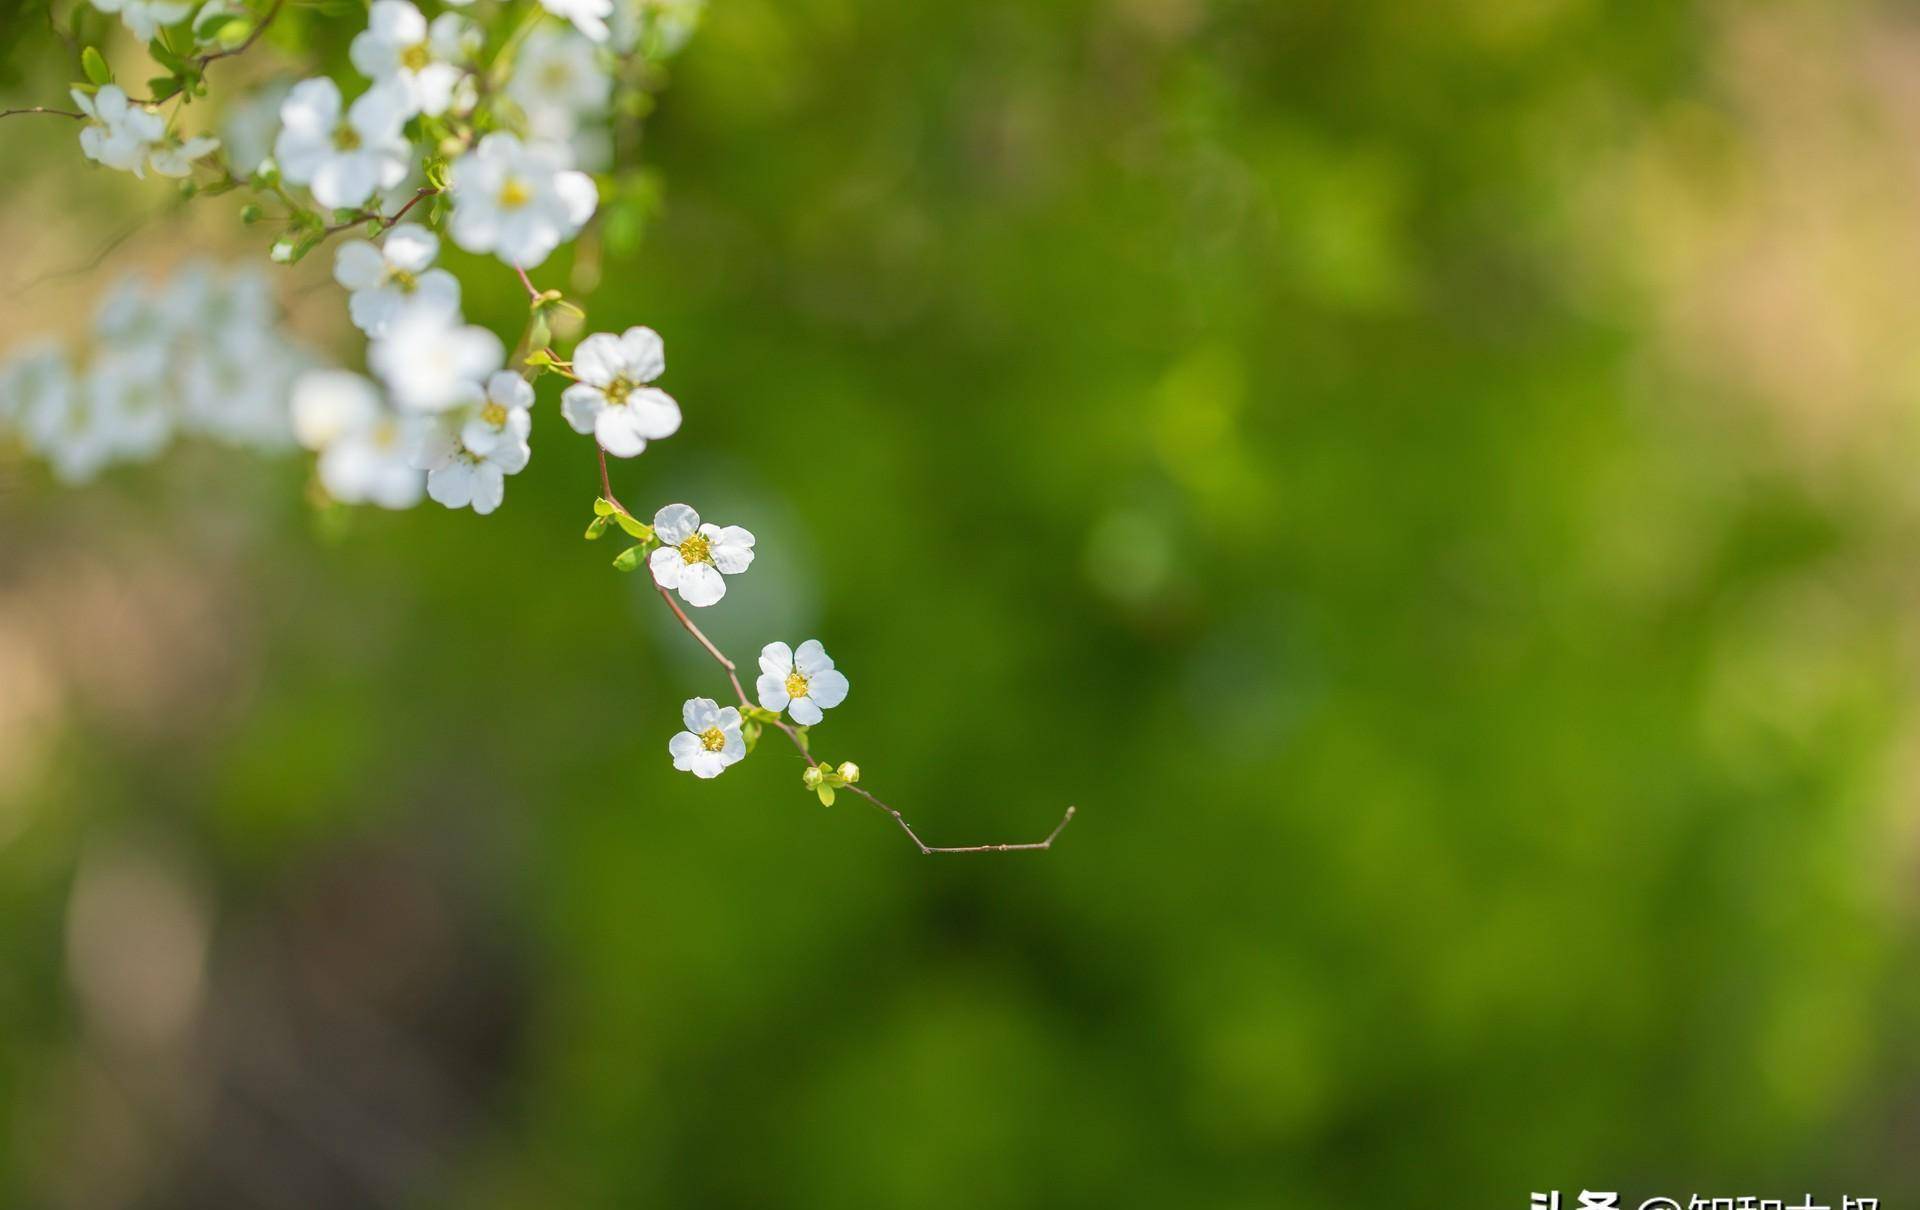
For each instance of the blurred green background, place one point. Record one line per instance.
(1433, 483)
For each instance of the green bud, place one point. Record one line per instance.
(95, 65)
(849, 772)
(627, 559)
(813, 776)
(251, 213)
(267, 175)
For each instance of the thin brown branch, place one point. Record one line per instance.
(792, 732)
(386, 221)
(55, 113)
(213, 56)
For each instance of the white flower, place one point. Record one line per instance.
(664, 24)
(343, 162)
(803, 683)
(557, 80)
(118, 133)
(145, 17)
(384, 279)
(175, 157)
(518, 201)
(468, 453)
(611, 400)
(712, 740)
(137, 404)
(362, 445)
(423, 60)
(692, 556)
(588, 16)
(431, 360)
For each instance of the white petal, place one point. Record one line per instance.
(452, 484)
(618, 435)
(666, 564)
(344, 181)
(655, 414)
(701, 585)
(579, 197)
(644, 354)
(358, 265)
(675, 523)
(597, 359)
(776, 659)
(489, 488)
(828, 689)
(772, 691)
(509, 390)
(811, 659)
(699, 713)
(732, 549)
(372, 311)
(804, 711)
(411, 248)
(396, 21)
(709, 764)
(437, 288)
(683, 747)
(581, 405)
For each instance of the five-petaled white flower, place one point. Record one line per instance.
(467, 453)
(386, 278)
(712, 740)
(362, 443)
(692, 556)
(612, 400)
(133, 137)
(432, 360)
(588, 16)
(425, 61)
(344, 159)
(557, 81)
(518, 200)
(145, 17)
(803, 682)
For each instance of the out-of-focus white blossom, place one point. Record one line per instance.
(518, 200)
(432, 360)
(343, 158)
(588, 16)
(133, 138)
(363, 444)
(145, 17)
(612, 400)
(560, 85)
(392, 275)
(657, 27)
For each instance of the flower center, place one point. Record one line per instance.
(415, 57)
(514, 193)
(796, 685)
(346, 138)
(696, 550)
(617, 392)
(494, 414)
(556, 76)
(712, 739)
(403, 281)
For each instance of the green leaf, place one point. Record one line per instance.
(165, 57)
(602, 507)
(635, 529)
(95, 65)
(595, 528)
(750, 732)
(627, 559)
(162, 87)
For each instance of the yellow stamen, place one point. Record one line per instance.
(796, 685)
(415, 57)
(403, 280)
(696, 550)
(712, 739)
(494, 414)
(345, 137)
(514, 194)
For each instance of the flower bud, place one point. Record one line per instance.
(849, 772)
(813, 776)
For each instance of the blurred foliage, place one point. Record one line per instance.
(1243, 420)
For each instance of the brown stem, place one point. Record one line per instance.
(386, 221)
(57, 113)
(253, 37)
(793, 733)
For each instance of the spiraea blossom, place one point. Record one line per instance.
(425, 62)
(693, 558)
(803, 683)
(612, 400)
(398, 272)
(432, 360)
(712, 740)
(133, 138)
(588, 16)
(559, 83)
(518, 200)
(145, 17)
(467, 453)
(343, 157)
(362, 443)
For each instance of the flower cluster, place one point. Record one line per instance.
(470, 127)
(198, 354)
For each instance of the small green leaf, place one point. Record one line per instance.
(165, 57)
(635, 529)
(603, 507)
(163, 87)
(95, 65)
(627, 559)
(595, 528)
